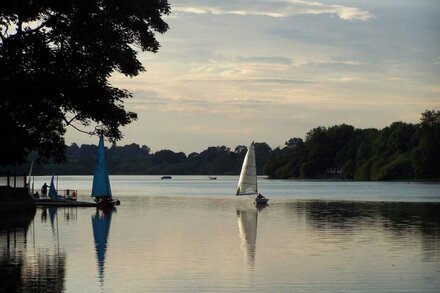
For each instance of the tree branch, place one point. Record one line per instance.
(69, 123)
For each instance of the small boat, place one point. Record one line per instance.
(166, 177)
(212, 178)
(247, 184)
(101, 190)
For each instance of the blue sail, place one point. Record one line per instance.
(101, 182)
(53, 192)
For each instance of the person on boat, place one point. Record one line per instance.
(73, 196)
(44, 189)
(260, 196)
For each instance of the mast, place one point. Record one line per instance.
(256, 175)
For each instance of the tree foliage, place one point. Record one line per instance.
(55, 61)
(399, 151)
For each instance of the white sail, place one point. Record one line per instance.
(247, 184)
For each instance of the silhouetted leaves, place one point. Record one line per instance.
(55, 61)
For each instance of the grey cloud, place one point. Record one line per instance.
(278, 9)
(255, 80)
(147, 97)
(265, 60)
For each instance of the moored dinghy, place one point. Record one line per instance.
(55, 199)
(247, 184)
(101, 190)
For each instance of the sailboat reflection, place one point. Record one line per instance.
(247, 225)
(52, 216)
(101, 226)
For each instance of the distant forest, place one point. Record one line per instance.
(399, 151)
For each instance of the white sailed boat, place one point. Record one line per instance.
(247, 184)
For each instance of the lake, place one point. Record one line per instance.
(191, 234)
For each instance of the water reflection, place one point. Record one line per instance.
(101, 221)
(210, 245)
(23, 269)
(402, 220)
(247, 226)
(52, 215)
(395, 216)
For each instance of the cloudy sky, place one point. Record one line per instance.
(230, 72)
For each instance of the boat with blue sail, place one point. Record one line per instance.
(101, 189)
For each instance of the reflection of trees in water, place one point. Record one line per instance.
(395, 216)
(334, 215)
(46, 273)
(399, 218)
(19, 272)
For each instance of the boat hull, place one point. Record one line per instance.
(110, 203)
(261, 201)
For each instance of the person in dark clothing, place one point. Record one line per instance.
(44, 189)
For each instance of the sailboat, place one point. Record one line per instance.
(53, 194)
(247, 184)
(101, 190)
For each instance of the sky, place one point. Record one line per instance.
(232, 72)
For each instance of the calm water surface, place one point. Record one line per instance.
(191, 234)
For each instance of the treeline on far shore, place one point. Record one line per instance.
(399, 151)
(134, 159)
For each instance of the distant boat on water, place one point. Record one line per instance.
(212, 178)
(166, 177)
(247, 184)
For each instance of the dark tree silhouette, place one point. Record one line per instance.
(55, 61)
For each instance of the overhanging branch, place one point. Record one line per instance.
(69, 123)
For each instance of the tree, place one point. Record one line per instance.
(426, 157)
(262, 154)
(294, 143)
(55, 61)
